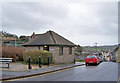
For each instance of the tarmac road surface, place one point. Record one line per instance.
(105, 71)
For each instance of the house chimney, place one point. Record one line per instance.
(50, 30)
(33, 33)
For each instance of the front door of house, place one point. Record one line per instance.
(46, 48)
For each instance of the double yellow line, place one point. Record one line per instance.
(39, 75)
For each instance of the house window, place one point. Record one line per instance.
(60, 50)
(70, 50)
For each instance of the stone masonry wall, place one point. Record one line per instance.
(65, 58)
(31, 48)
(118, 55)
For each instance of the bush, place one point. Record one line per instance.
(78, 60)
(13, 52)
(77, 53)
(34, 56)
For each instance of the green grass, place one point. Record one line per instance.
(94, 48)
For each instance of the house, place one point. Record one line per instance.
(62, 49)
(32, 36)
(115, 54)
(35, 35)
(15, 43)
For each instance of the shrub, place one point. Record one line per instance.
(78, 60)
(77, 53)
(13, 52)
(34, 56)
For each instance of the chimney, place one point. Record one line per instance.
(33, 33)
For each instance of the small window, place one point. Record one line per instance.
(38, 48)
(70, 50)
(60, 50)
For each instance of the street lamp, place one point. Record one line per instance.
(15, 40)
(96, 46)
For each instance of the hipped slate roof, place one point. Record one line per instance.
(49, 38)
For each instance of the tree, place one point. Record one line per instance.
(79, 49)
(23, 38)
(6, 34)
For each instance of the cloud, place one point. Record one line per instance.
(82, 23)
(31, 16)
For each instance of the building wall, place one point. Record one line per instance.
(31, 48)
(118, 55)
(65, 58)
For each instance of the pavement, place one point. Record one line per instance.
(119, 69)
(105, 71)
(6, 74)
(19, 67)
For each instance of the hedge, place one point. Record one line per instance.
(34, 56)
(13, 52)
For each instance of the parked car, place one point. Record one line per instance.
(113, 59)
(92, 60)
(82, 59)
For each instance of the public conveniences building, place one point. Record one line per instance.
(62, 49)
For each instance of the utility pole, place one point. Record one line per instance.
(15, 41)
(96, 46)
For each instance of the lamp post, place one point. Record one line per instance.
(15, 39)
(96, 46)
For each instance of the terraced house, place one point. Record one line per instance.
(62, 49)
(118, 53)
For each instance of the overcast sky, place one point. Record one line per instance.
(83, 23)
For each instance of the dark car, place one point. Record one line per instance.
(92, 60)
(113, 59)
(101, 59)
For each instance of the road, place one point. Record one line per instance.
(106, 71)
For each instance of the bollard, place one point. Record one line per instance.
(29, 67)
(74, 60)
(48, 60)
(40, 62)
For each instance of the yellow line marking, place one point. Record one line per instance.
(39, 75)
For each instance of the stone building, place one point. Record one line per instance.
(117, 50)
(62, 49)
(115, 54)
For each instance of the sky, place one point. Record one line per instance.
(83, 23)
